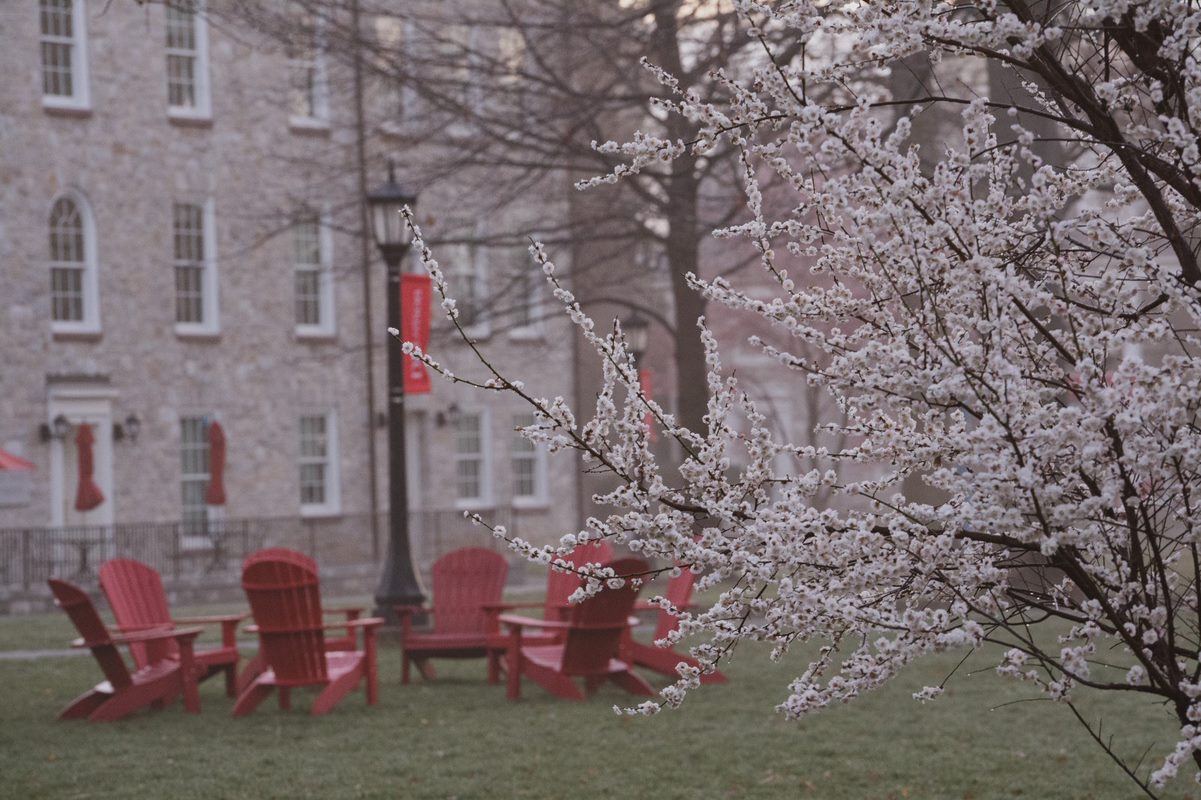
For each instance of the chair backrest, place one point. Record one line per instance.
(465, 581)
(561, 585)
(679, 593)
(82, 611)
(282, 589)
(135, 594)
(597, 624)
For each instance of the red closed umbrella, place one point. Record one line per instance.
(88, 496)
(215, 496)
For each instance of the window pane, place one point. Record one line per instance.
(312, 436)
(524, 459)
(66, 233)
(194, 474)
(307, 238)
(188, 248)
(467, 434)
(66, 294)
(314, 459)
(181, 81)
(468, 480)
(181, 25)
(525, 482)
(58, 47)
(469, 457)
(189, 232)
(66, 262)
(308, 297)
(520, 443)
(56, 69)
(57, 18)
(182, 53)
(312, 483)
(302, 99)
(189, 294)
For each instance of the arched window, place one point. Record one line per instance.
(74, 301)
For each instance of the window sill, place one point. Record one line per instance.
(320, 512)
(189, 118)
(395, 130)
(479, 504)
(66, 108)
(315, 335)
(80, 334)
(481, 333)
(309, 126)
(527, 335)
(531, 503)
(197, 333)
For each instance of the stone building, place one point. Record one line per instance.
(181, 243)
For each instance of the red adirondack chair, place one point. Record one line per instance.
(136, 595)
(592, 637)
(348, 641)
(125, 692)
(282, 588)
(663, 659)
(466, 583)
(559, 587)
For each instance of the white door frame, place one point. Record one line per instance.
(93, 405)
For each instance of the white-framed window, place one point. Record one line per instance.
(308, 76)
(187, 59)
(64, 45)
(458, 55)
(313, 269)
(320, 494)
(398, 100)
(467, 268)
(525, 298)
(74, 275)
(194, 256)
(473, 478)
(194, 479)
(528, 466)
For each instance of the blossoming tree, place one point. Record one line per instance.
(1010, 316)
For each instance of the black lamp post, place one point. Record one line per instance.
(637, 331)
(398, 585)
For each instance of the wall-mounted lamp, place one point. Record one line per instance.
(127, 429)
(449, 416)
(637, 332)
(58, 428)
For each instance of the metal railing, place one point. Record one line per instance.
(179, 551)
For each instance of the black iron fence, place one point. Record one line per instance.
(179, 551)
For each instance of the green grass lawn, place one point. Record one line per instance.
(458, 737)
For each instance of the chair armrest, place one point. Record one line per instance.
(349, 611)
(362, 622)
(507, 606)
(518, 621)
(646, 605)
(228, 623)
(215, 619)
(145, 635)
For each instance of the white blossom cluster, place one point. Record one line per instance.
(1010, 316)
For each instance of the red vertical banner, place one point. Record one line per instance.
(648, 391)
(215, 494)
(416, 293)
(88, 495)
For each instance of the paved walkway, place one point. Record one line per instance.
(33, 655)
